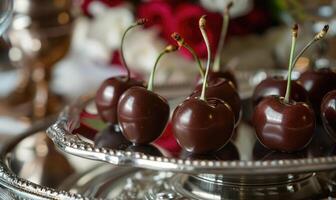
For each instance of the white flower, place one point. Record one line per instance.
(141, 50)
(240, 7)
(86, 47)
(76, 76)
(109, 25)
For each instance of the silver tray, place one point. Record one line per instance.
(31, 168)
(252, 159)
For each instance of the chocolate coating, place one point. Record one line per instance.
(223, 74)
(277, 86)
(328, 113)
(225, 90)
(111, 137)
(318, 83)
(108, 95)
(203, 127)
(283, 127)
(142, 115)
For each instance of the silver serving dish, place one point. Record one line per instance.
(243, 169)
(31, 168)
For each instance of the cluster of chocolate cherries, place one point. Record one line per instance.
(205, 121)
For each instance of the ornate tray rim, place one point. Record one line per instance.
(23, 187)
(72, 144)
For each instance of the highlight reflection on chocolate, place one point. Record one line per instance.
(111, 137)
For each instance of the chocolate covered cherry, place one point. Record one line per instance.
(318, 83)
(143, 114)
(328, 113)
(109, 92)
(283, 124)
(108, 95)
(203, 125)
(218, 87)
(225, 90)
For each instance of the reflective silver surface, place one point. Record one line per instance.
(6, 10)
(31, 168)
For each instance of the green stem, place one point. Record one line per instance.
(196, 58)
(137, 23)
(316, 38)
(290, 68)
(225, 26)
(302, 52)
(122, 51)
(168, 49)
(206, 40)
(151, 78)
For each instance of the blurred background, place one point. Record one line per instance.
(54, 51)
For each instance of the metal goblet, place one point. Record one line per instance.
(40, 36)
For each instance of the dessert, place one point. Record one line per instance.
(318, 83)
(143, 114)
(201, 124)
(219, 87)
(109, 92)
(328, 113)
(281, 123)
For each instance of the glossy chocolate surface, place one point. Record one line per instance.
(223, 74)
(247, 145)
(318, 83)
(111, 137)
(277, 86)
(142, 115)
(224, 90)
(108, 95)
(283, 127)
(203, 127)
(328, 113)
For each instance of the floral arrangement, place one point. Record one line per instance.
(97, 36)
(167, 16)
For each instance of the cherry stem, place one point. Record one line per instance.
(225, 25)
(168, 49)
(316, 38)
(137, 23)
(202, 24)
(290, 64)
(180, 41)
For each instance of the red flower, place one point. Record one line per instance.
(111, 3)
(160, 15)
(187, 16)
